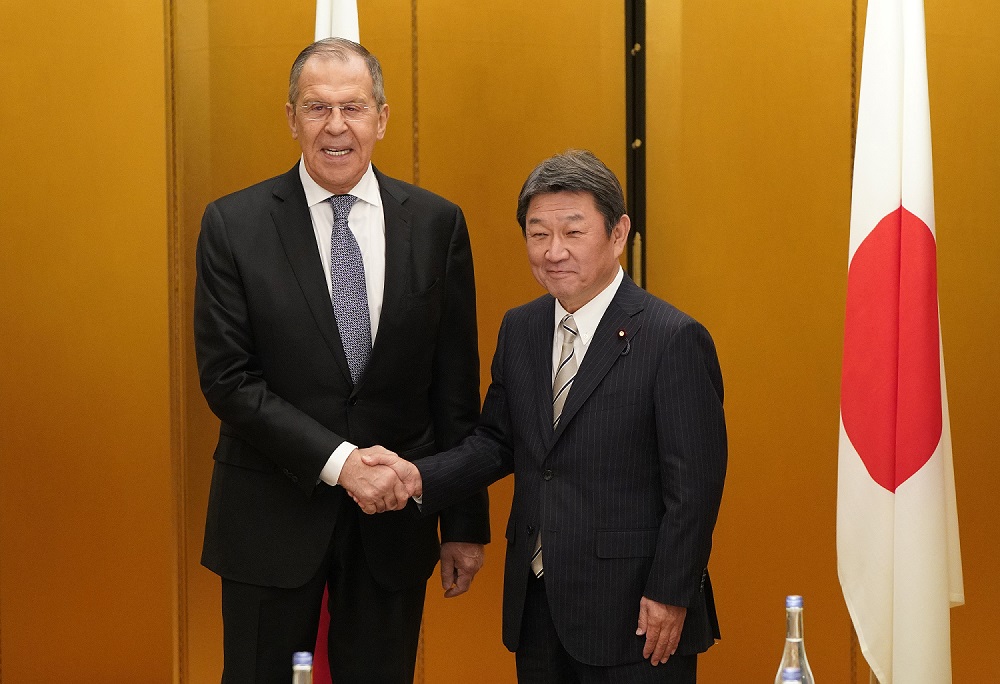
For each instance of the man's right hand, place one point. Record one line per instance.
(407, 473)
(377, 487)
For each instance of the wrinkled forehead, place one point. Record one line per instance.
(336, 71)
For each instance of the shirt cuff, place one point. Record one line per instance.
(331, 471)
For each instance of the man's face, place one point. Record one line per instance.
(336, 151)
(570, 252)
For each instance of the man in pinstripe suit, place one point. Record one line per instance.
(606, 405)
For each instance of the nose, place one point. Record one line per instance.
(335, 121)
(557, 249)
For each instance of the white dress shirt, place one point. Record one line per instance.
(587, 318)
(367, 222)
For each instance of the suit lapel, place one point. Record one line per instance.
(294, 226)
(397, 261)
(539, 341)
(606, 347)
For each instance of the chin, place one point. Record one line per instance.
(561, 295)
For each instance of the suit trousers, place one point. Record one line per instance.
(541, 658)
(373, 632)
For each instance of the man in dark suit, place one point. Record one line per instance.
(334, 308)
(606, 405)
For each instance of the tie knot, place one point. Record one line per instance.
(569, 325)
(342, 206)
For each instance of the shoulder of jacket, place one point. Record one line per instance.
(522, 314)
(404, 192)
(280, 186)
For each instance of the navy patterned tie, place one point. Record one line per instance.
(350, 296)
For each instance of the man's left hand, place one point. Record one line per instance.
(662, 625)
(460, 561)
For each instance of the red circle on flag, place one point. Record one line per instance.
(890, 398)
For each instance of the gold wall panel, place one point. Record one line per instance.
(87, 542)
(121, 121)
(477, 95)
(750, 151)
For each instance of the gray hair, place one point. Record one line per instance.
(342, 49)
(575, 171)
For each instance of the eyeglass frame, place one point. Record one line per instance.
(307, 106)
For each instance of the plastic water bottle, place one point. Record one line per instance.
(791, 675)
(795, 649)
(302, 667)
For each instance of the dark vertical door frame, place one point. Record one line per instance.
(635, 136)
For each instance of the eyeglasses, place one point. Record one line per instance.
(320, 111)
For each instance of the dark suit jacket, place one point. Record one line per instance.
(625, 491)
(273, 370)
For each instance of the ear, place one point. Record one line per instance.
(619, 234)
(383, 119)
(293, 124)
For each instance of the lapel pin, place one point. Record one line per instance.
(622, 335)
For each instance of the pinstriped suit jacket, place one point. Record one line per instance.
(625, 491)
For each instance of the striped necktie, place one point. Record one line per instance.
(565, 373)
(350, 295)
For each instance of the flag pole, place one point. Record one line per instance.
(853, 658)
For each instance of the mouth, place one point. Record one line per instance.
(331, 152)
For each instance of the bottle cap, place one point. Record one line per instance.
(302, 658)
(791, 674)
(793, 602)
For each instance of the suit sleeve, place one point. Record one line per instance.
(455, 388)
(691, 438)
(480, 459)
(230, 370)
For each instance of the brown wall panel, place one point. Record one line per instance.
(749, 191)
(87, 545)
(501, 87)
(231, 62)
(749, 206)
(750, 179)
(963, 55)
(483, 122)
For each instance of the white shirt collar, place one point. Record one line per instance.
(366, 188)
(588, 316)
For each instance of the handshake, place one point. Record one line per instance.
(378, 480)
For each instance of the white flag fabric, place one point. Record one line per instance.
(897, 524)
(337, 19)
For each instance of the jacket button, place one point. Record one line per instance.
(352, 401)
(547, 475)
(531, 530)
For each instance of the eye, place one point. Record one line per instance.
(316, 108)
(351, 109)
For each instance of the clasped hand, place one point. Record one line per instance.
(378, 480)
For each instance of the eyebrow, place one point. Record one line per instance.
(571, 218)
(338, 104)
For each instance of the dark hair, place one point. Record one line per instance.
(575, 171)
(342, 49)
